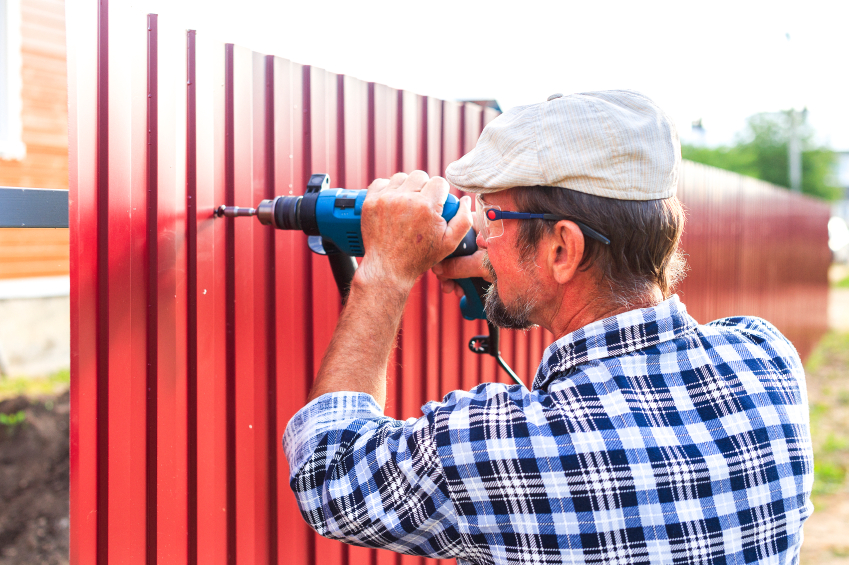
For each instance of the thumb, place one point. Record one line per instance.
(465, 267)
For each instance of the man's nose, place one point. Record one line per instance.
(481, 241)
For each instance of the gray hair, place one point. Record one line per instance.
(643, 254)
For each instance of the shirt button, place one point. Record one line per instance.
(554, 97)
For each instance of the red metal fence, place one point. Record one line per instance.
(195, 339)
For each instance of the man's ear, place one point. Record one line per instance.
(566, 249)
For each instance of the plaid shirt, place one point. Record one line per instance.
(647, 438)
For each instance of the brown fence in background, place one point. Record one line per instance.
(755, 249)
(195, 339)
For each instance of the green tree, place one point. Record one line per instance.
(761, 152)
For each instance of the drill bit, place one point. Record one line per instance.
(234, 211)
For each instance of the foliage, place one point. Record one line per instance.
(30, 386)
(11, 421)
(761, 152)
(827, 370)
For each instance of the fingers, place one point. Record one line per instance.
(414, 182)
(403, 182)
(436, 190)
(377, 185)
(466, 267)
(447, 286)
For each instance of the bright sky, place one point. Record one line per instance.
(720, 60)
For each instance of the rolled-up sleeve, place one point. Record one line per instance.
(369, 480)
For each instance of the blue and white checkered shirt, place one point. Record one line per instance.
(647, 438)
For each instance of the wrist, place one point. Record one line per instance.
(369, 276)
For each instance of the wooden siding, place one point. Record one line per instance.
(40, 252)
(33, 252)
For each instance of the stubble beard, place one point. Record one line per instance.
(513, 316)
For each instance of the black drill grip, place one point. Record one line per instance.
(343, 268)
(467, 246)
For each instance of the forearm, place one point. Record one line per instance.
(359, 351)
(404, 235)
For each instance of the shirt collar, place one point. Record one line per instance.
(611, 337)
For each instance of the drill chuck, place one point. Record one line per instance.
(281, 212)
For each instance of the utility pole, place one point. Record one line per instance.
(794, 149)
(794, 144)
(794, 152)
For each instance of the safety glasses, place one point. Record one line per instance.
(489, 221)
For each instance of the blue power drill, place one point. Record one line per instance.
(331, 219)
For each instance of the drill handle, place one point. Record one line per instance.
(343, 267)
(471, 305)
(467, 246)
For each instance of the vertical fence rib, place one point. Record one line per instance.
(211, 360)
(309, 322)
(370, 124)
(83, 156)
(293, 345)
(192, 297)
(152, 285)
(271, 326)
(103, 283)
(230, 300)
(341, 172)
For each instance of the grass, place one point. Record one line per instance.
(827, 372)
(31, 386)
(838, 274)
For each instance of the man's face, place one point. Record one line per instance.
(513, 297)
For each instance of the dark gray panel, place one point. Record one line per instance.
(33, 208)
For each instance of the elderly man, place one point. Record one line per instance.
(646, 437)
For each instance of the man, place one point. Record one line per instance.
(646, 438)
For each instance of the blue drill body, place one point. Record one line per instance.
(338, 212)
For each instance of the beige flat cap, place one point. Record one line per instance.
(613, 143)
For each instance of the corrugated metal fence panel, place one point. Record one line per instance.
(195, 339)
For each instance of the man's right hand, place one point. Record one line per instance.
(466, 267)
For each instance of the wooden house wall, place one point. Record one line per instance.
(40, 252)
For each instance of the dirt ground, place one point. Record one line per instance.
(34, 480)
